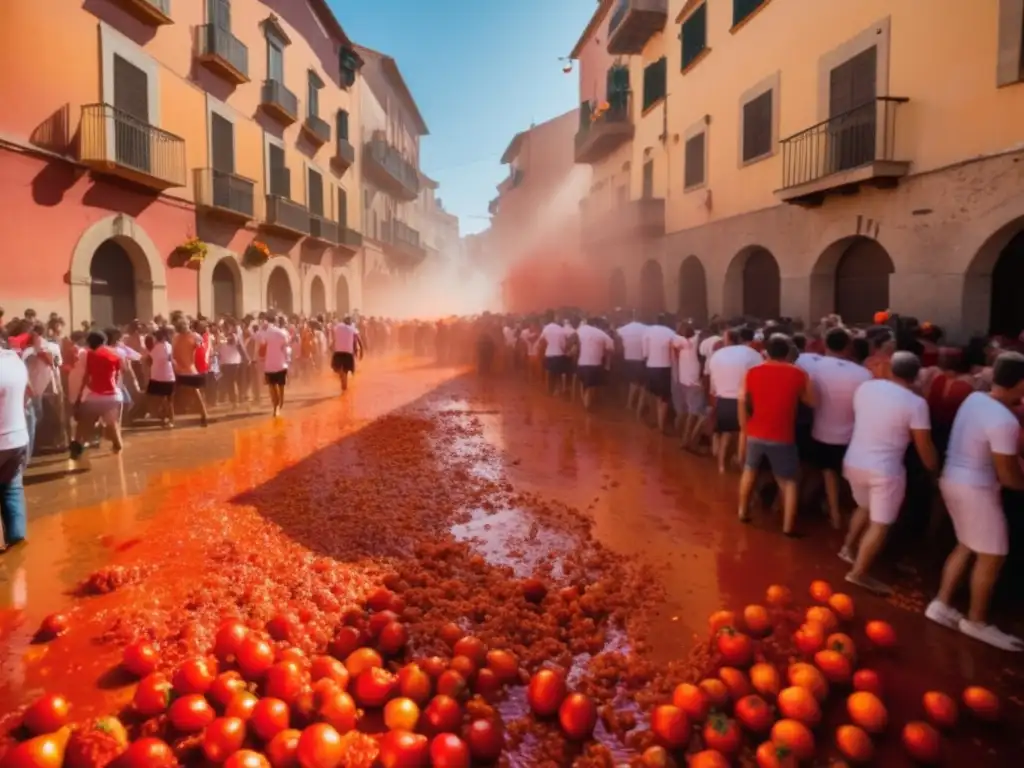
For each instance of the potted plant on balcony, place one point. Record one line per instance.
(190, 254)
(256, 254)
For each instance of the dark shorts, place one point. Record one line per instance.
(727, 417)
(659, 383)
(636, 371)
(160, 388)
(783, 458)
(557, 365)
(590, 375)
(828, 457)
(343, 361)
(276, 378)
(193, 381)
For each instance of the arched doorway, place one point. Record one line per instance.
(762, 285)
(112, 286)
(617, 289)
(862, 281)
(279, 291)
(693, 290)
(341, 300)
(317, 297)
(225, 290)
(1006, 314)
(652, 288)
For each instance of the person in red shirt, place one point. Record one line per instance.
(769, 400)
(94, 390)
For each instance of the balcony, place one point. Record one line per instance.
(286, 217)
(633, 23)
(225, 194)
(349, 243)
(601, 134)
(635, 220)
(316, 129)
(344, 156)
(402, 243)
(386, 167)
(278, 102)
(155, 13)
(114, 142)
(839, 155)
(323, 230)
(222, 53)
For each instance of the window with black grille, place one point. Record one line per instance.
(693, 172)
(655, 75)
(694, 35)
(757, 127)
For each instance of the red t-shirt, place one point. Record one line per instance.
(19, 342)
(101, 368)
(774, 389)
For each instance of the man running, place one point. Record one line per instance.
(347, 344)
(275, 349)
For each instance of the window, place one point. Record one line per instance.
(342, 125)
(655, 82)
(617, 88)
(757, 127)
(694, 35)
(222, 144)
(342, 208)
(693, 172)
(218, 13)
(280, 178)
(743, 8)
(313, 94)
(315, 199)
(648, 189)
(275, 59)
(348, 64)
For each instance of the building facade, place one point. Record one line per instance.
(809, 157)
(144, 124)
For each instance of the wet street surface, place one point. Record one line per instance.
(583, 541)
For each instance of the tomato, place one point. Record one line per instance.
(148, 752)
(46, 714)
(503, 664)
(819, 614)
(779, 596)
(222, 738)
(284, 680)
(670, 726)
(486, 684)
(794, 736)
(224, 687)
(319, 747)
(328, 667)
(754, 714)
(809, 676)
(692, 701)
(881, 634)
(464, 666)
(269, 717)
(229, 639)
(810, 638)
(854, 744)
(798, 703)
(735, 681)
(473, 647)
(195, 675)
(374, 687)
(380, 599)
(486, 740)
(380, 620)
(867, 680)
(765, 679)
(414, 683)
(834, 666)
(719, 620)
(821, 591)
(152, 695)
(190, 714)
(402, 749)
(757, 620)
(338, 710)
(453, 684)
(401, 714)
(922, 743)
(715, 692)
(982, 702)
(53, 626)
(657, 757)
(722, 735)
(362, 659)
(546, 691)
(578, 716)
(255, 657)
(241, 705)
(346, 641)
(534, 590)
(867, 711)
(736, 648)
(45, 751)
(283, 750)
(246, 758)
(282, 627)
(443, 714)
(449, 751)
(842, 605)
(941, 709)
(140, 659)
(709, 758)
(770, 755)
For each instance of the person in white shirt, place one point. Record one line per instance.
(982, 457)
(656, 346)
(347, 344)
(631, 336)
(554, 340)
(691, 403)
(14, 439)
(160, 386)
(596, 349)
(727, 370)
(42, 359)
(836, 379)
(887, 416)
(230, 359)
(275, 350)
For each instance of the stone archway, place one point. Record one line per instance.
(226, 288)
(992, 285)
(281, 273)
(652, 288)
(342, 298)
(693, 290)
(851, 278)
(112, 298)
(317, 297)
(148, 280)
(753, 284)
(215, 298)
(617, 294)
(314, 289)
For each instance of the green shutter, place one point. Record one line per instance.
(655, 81)
(743, 8)
(694, 35)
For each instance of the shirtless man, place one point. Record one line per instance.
(187, 376)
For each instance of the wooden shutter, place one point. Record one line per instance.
(275, 60)
(280, 178)
(131, 89)
(693, 173)
(743, 8)
(342, 124)
(654, 81)
(222, 143)
(853, 83)
(648, 187)
(757, 126)
(316, 193)
(695, 35)
(342, 207)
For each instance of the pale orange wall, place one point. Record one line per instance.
(650, 125)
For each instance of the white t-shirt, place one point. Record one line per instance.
(835, 382)
(884, 414)
(807, 360)
(594, 343)
(345, 338)
(982, 427)
(278, 349)
(557, 337)
(632, 335)
(689, 363)
(13, 385)
(728, 369)
(42, 376)
(657, 346)
(510, 336)
(707, 349)
(531, 339)
(163, 365)
(228, 353)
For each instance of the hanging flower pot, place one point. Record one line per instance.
(256, 254)
(191, 254)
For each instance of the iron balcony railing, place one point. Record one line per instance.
(285, 214)
(592, 120)
(319, 128)
(345, 152)
(863, 135)
(349, 237)
(391, 160)
(164, 6)
(323, 228)
(214, 41)
(112, 136)
(226, 191)
(399, 233)
(275, 94)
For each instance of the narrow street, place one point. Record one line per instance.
(460, 494)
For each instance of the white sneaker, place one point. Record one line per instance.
(943, 614)
(870, 583)
(847, 556)
(989, 633)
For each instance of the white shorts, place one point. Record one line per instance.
(881, 495)
(978, 517)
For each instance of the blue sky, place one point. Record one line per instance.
(480, 70)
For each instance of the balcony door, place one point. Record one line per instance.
(316, 193)
(342, 208)
(852, 111)
(280, 179)
(222, 149)
(131, 117)
(648, 181)
(218, 13)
